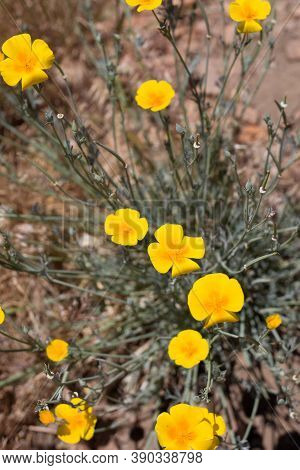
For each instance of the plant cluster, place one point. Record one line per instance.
(177, 311)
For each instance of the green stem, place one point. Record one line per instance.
(13, 338)
(252, 417)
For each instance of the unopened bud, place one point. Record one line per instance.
(197, 142)
(272, 213)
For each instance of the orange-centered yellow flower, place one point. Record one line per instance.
(2, 316)
(78, 421)
(144, 4)
(273, 321)
(25, 61)
(57, 350)
(154, 95)
(126, 227)
(188, 348)
(46, 417)
(247, 12)
(188, 427)
(174, 250)
(215, 298)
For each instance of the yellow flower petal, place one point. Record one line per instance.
(144, 4)
(128, 214)
(159, 258)
(126, 227)
(134, 220)
(89, 434)
(79, 403)
(111, 224)
(79, 422)
(148, 5)
(184, 266)
(10, 73)
(26, 61)
(68, 435)
(235, 296)
(236, 12)
(273, 321)
(144, 97)
(170, 235)
(216, 298)
(188, 348)
(154, 95)
(250, 26)
(220, 317)
(16, 46)
(33, 78)
(2, 316)
(264, 10)
(173, 249)
(125, 239)
(179, 410)
(57, 350)
(163, 426)
(220, 426)
(186, 415)
(43, 53)
(217, 422)
(46, 417)
(187, 427)
(193, 247)
(247, 12)
(204, 436)
(142, 228)
(66, 412)
(197, 298)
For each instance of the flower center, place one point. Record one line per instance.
(250, 12)
(176, 253)
(157, 99)
(217, 303)
(78, 421)
(59, 350)
(186, 437)
(189, 350)
(125, 228)
(27, 61)
(145, 2)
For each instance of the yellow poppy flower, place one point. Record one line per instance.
(144, 4)
(188, 348)
(215, 298)
(188, 427)
(273, 321)
(126, 227)
(2, 316)
(46, 417)
(57, 350)
(25, 61)
(175, 251)
(78, 421)
(154, 95)
(247, 13)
